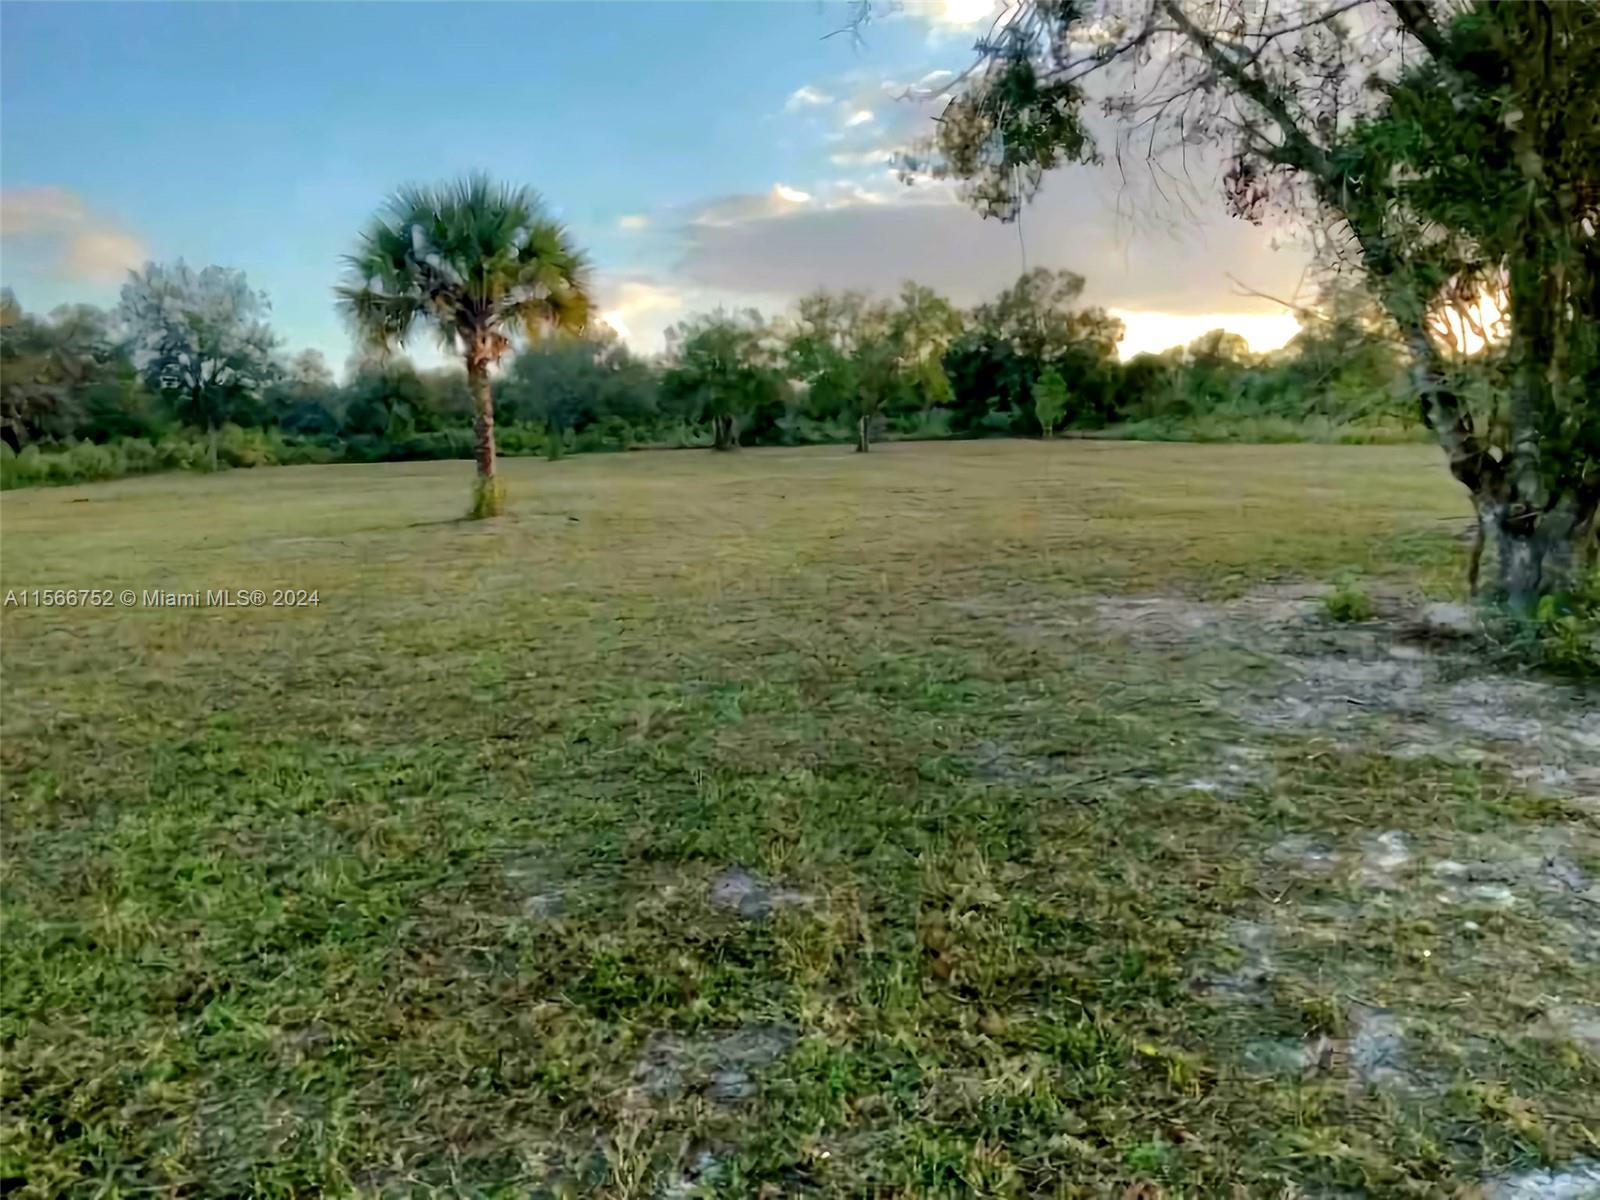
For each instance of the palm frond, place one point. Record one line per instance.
(474, 259)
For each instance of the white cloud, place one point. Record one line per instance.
(732, 210)
(949, 19)
(84, 246)
(103, 255)
(960, 13)
(618, 322)
(806, 97)
(859, 117)
(39, 210)
(634, 222)
(639, 309)
(1168, 277)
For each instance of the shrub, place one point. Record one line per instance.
(930, 425)
(294, 451)
(139, 456)
(518, 439)
(238, 447)
(1348, 603)
(87, 461)
(180, 452)
(1563, 633)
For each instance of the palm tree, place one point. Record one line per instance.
(479, 262)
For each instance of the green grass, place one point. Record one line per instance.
(392, 895)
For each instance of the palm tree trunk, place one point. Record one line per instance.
(488, 497)
(863, 440)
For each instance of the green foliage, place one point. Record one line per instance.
(1049, 400)
(1562, 634)
(571, 384)
(200, 338)
(1001, 139)
(916, 369)
(476, 261)
(1032, 327)
(67, 376)
(723, 368)
(1348, 603)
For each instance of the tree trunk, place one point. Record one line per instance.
(1536, 553)
(722, 433)
(488, 497)
(863, 440)
(211, 446)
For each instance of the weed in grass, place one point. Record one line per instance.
(1348, 602)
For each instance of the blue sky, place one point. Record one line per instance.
(704, 153)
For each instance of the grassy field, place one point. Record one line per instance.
(964, 819)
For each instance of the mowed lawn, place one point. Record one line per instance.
(788, 822)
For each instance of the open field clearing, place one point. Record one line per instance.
(972, 818)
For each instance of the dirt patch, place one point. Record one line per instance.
(722, 1067)
(1377, 1049)
(1237, 769)
(701, 1174)
(538, 886)
(1409, 683)
(1576, 1023)
(752, 897)
(992, 762)
(1250, 945)
(1576, 1181)
(1384, 857)
(1162, 620)
(1375, 1055)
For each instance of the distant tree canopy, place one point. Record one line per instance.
(723, 368)
(67, 376)
(569, 383)
(1444, 152)
(1032, 327)
(837, 367)
(202, 338)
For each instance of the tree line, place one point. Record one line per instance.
(89, 393)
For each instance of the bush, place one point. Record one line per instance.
(294, 451)
(416, 447)
(933, 424)
(238, 447)
(1563, 634)
(139, 456)
(517, 439)
(180, 452)
(1348, 603)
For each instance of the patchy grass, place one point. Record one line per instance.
(1348, 602)
(971, 819)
